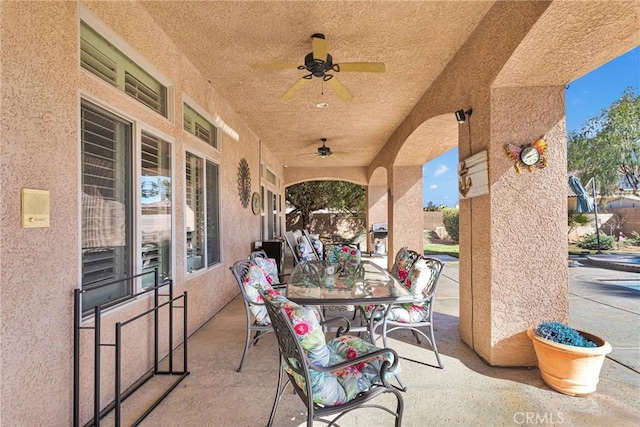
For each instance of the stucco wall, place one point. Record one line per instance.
(630, 218)
(42, 85)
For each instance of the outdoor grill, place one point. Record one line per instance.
(379, 230)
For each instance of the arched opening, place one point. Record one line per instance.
(432, 138)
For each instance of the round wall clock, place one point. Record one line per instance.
(244, 182)
(529, 156)
(256, 203)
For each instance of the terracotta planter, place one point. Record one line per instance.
(568, 369)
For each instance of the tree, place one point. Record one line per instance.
(431, 207)
(451, 220)
(575, 219)
(311, 196)
(608, 146)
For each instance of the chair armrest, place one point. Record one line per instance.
(384, 368)
(342, 330)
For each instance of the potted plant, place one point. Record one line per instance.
(569, 360)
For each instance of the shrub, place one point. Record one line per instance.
(590, 241)
(451, 220)
(575, 219)
(562, 334)
(634, 240)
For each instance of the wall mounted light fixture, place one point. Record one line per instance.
(461, 115)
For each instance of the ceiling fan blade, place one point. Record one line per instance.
(296, 87)
(368, 67)
(340, 89)
(319, 47)
(273, 66)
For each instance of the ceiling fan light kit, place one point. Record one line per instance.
(318, 63)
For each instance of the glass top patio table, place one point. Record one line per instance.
(368, 283)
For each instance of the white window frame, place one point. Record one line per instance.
(125, 48)
(205, 267)
(205, 115)
(137, 127)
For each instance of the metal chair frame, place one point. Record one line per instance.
(292, 243)
(239, 270)
(294, 356)
(428, 299)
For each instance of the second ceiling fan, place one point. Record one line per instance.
(324, 151)
(318, 63)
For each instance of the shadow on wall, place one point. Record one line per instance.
(332, 226)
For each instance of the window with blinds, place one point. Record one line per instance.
(106, 144)
(202, 213)
(197, 125)
(194, 213)
(101, 58)
(156, 208)
(213, 222)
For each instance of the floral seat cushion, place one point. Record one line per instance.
(419, 283)
(255, 283)
(269, 269)
(340, 386)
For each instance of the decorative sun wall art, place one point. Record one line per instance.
(244, 182)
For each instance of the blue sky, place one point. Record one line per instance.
(585, 98)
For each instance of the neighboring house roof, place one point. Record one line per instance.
(624, 201)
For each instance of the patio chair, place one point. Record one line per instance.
(251, 275)
(403, 262)
(301, 250)
(271, 269)
(331, 378)
(422, 282)
(259, 253)
(316, 245)
(346, 256)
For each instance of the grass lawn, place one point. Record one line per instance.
(432, 245)
(452, 249)
(631, 249)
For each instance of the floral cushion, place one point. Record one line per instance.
(402, 264)
(419, 282)
(255, 283)
(269, 268)
(317, 246)
(343, 385)
(340, 254)
(303, 251)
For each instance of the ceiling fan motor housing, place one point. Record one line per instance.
(317, 68)
(324, 151)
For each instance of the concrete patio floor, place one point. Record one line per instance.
(467, 392)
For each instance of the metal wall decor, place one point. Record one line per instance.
(244, 182)
(473, 176)
(531, 156)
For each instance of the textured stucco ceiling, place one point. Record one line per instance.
(415, 39)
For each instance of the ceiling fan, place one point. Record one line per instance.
(324, 151)
(318, 63)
